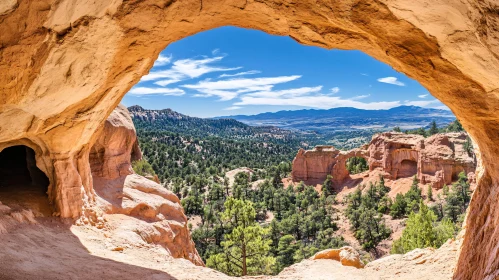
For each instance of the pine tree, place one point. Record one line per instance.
(286, 251)
(429, 193)
(245, 249)
(421, 231)
(433, 128)
(399, 206)
(327, 186)
(413, 196)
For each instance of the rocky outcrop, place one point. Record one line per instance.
(118, 144)
(436, 160)
(312, 167)
(66, 64)
(137, 209)
(347, 256)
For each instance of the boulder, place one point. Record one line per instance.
(347, 256)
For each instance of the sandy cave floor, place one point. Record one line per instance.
(55, 249)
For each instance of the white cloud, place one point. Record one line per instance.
(423, 95)
(229, 89)
(233, 108)
(184, 69)
(286, 92)
(335, 90)
(315, 101)
(364, 74)
(252, 72)
(163, 60)
(359, 97)
(421, 103)
(161, 91)
(215, 51)
(391, 80)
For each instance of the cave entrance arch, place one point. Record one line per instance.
(22, 183)
(356, 165)
(408, 168)
(119, 40)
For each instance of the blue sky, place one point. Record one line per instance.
(232, 71)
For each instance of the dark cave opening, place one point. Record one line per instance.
(21, 181)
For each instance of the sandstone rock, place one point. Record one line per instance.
(347, 256)
(112, 152)
(312, 167)
(135, 208)
(436, 160)
(66, 64)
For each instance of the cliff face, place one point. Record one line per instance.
(312, 167)
(436, 160)
(66, 64)
(129, 205)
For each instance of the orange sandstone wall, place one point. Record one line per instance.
(65, 65)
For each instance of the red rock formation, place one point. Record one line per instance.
(312, 167)
(129, 205)
(436, 160)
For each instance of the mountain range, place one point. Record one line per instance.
(349, 119)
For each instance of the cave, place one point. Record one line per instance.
(408, 168)
(22, 183)
(119, 41)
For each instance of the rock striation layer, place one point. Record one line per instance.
(138, 210)
(436, 160)
(65, 65)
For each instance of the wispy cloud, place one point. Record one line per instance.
(229, 89)
(335, 90)
(286, 92)
(391, 80)
(364, 74)
(163, 60)
(422, 103)
(215, 51)
(252, 72)
(359, 97)
(231, 108)
(159, 91)
(316, 101)
(423, 95)
(184, 69)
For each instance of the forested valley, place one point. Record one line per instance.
(250, 223)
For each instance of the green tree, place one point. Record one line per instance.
(246, 251)
(429, 193)
(327, 186)
(286, 250)
(397, 129)
(372, 229)
(399, 206)
(468, 146)
(413, 196)
(421, 231)
(452, 207)
(433, 128)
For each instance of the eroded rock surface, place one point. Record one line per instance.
(66, 64)
(137, 210)
(347, 256)
(436, 160)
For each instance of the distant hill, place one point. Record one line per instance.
(172, 121)
(349, 119)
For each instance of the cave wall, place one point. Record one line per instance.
(65, 65)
